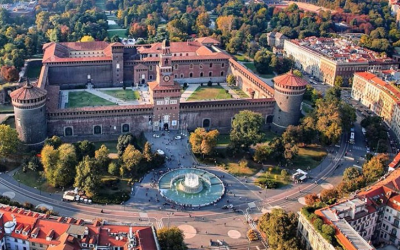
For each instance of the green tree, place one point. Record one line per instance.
(284, 173)
(123, 142)
(262, 61)
(347, 115)
(131, 159)
(171, 239)
(203, 142)
(87, 176)
(113, 168)
(66, 165)
(84, 148)
(49, 158)
(9, 141)
(54, 141)
(246, 129)
(101, 156)
(339, 81)
(280, 228)
(351, 173)
(230, 79)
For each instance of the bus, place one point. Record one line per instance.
(352, 138)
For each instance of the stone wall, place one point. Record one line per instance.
(69, 76)
(31, 124)
(220, 113)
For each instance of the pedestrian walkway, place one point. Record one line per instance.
(188, 92)
(230, 91)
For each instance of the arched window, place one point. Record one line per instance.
(68, 131)
(222, 73)
(191, 66)
(206, 123)
(201, 74)
(97, 130)
(191, 74)
(201, 65)
(181, 75)
(151, 67)
(125, 128)
(176, 66)
(210, 73)
(210, 65)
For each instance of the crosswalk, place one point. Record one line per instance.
(358, 148)
(159, 224)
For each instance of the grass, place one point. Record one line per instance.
(33, 71)
(33, 179)
(6, 108)
(121, 33)
(121, 186)
(310, 156)
(126, 95)
(241, 58)
(223, 140)
(251, 66)
(206, 92)
(240, 92)
(111, 145)
(79, 99)
(272, 174)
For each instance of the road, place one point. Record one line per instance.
(227, 225)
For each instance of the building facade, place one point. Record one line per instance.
(328, 58)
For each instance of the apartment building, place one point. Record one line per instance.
(327, 58)
(26, 230)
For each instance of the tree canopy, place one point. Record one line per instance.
(246, 129)
(9, 141)
(171, 239)
(203, 142)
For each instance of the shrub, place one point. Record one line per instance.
(252, 235)
(115, 198)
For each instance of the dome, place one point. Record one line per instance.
(290, 79)
(28, 92)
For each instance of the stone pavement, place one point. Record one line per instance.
(188, 92)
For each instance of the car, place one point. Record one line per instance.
(156, 136)
(225, 207)
(178, 137)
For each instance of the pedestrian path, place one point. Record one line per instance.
(189, 91)
(230, 91)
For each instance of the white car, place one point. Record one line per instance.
(178, 137)
(156, 136)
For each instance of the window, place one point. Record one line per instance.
(15, 240)
(191, 66)
(206, 123)
(223, 65)
(125, 128)
(181, 75)
(151, 67)
(222, 73)
(210, 65)
(201, 74)
(97, 130)
(191, 75)
(176, 76)
(210, 73)
(201, 66)
(151, 77)
(176, 66)
(68, 131)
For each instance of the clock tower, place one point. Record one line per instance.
(164, 69)
(165, 94)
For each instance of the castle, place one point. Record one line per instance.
(42, 110)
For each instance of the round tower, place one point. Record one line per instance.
(289, 91)
(30, 113)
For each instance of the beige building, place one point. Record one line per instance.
(379, 96)
(327, 58)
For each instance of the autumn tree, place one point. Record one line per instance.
(123, 142)
(311, 199)
(54, 141)
(113, 168)
(203, 142)
(9, 141)
(375, 168)
(87, 39)
(101, 156)
(280, 228)
(246, 129)
(339, 81)
(329, 196)
(9, 73)
(171, 238)
(230, 79)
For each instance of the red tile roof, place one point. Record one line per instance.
(28, 92)
(175, 47)
(207, 40)
(290, 79)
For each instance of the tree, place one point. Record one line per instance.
(87, 176)
(280, 229)
(203, 142)
(262, 61)
(123, 142)
(113, 168)
(66, 166)
(246, 129)
(9, 141)
(375, 168)
(131, 159)
(339, 81)
(84, 148)
(171, 239)
(101, 156)
(284, 173)
(311, 199)
(230, 79)
(87, 39)
(329, 196)
(9, 73)
(54, 141)
(347, 115)
(147, 154)
(351, 173)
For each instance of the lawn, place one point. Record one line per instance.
(310, 156)
(126, 95)
(272, 174)
(206, 93)
(111, 145)
(33, 71)
(250, 65)
(79, 99)
(121, 33)
(240, 92)
(121, 185)
(241, 58)
(223, 140)
(33, 179)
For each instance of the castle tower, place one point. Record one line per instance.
(289, 91)
(30, 113)
(165, 93)
(117, 50)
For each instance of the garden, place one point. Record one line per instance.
(209, 93)
(79, 99)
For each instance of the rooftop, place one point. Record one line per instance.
(290, 79)
(28, 92)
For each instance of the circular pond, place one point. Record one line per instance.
(191, 187)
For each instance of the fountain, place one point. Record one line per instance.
(191, 187)
(192, 184)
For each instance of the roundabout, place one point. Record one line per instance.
(191, 187)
